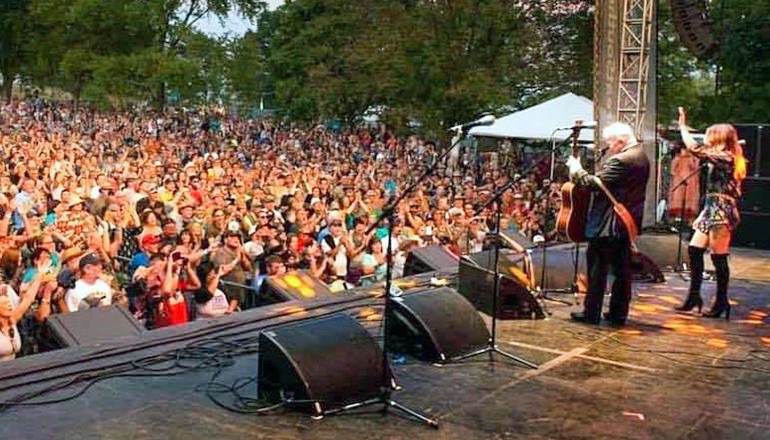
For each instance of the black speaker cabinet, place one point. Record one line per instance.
(428, 259)
(753, 229)
(756, 195)
(328, 362)
(756, 136)
(661, 249)
(437, 325)
(520, 239)
(515, 300)
(295, 285)
(94, 326)
(560, 265)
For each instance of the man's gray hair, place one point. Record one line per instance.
(620, 130)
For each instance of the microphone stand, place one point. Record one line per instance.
(680, 268)
(388, 383)
(574, 289)
(492, 341)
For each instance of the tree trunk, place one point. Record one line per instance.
(77, 89)
(160, 98)
(7, 89)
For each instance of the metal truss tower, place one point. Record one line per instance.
(634, 64)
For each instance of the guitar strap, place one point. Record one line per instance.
(621, 211)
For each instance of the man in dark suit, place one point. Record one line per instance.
(625, 174)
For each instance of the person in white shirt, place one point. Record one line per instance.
(398, 245)
(335, 246)
(90, 290)
(216, 303)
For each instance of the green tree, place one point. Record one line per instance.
(247, 70)
(14, 17)
(734, 84)
(436, 63)
(75, 40)
(174, 21)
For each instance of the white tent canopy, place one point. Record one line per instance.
(540, 121)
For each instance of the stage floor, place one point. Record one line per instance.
(663, 376)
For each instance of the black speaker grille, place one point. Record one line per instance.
(449, 325)
(332, 360)
(430, 258)
(94, 326)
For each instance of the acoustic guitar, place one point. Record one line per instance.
(575, 199)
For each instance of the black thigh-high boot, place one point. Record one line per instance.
(723, 278)
(696, 279)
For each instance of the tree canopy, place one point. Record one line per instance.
(734, 84)
(417, 62)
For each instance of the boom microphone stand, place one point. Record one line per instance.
(492, 341)
(388, 383)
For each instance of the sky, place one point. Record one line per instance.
(233, 24)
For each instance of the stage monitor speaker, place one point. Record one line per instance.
(428, 259)
(661, 249)
(693, 26)
(296, 285)
(560, 275)
(520, 239)
(94, 326)
(326, 363)
(437, 325)
(476, 284)
(560, 262)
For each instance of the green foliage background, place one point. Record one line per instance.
(421, 63)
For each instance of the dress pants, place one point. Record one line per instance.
(605, 253)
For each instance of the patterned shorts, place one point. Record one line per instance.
(717, 211)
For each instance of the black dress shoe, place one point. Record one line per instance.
(616, 322)
(581, 317)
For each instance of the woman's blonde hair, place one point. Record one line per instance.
(727, 135)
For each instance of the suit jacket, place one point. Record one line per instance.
(625, 175)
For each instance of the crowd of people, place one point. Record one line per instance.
(182, 215)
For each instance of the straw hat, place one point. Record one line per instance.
(74, 200)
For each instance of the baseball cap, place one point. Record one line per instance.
(90, 259)
(150, 239)
(231, 233)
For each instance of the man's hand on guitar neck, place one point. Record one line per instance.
(576, 171)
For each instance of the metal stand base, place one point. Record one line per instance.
(387, 403)
(492, 348)
(543, 295)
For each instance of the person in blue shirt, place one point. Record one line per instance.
(149, 246)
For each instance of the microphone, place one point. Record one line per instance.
(591, 124)
(486, 120)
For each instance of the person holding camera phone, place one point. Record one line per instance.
(213, 302)
(180, 279)
(11, 312)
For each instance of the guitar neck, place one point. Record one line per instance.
(575, 133)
